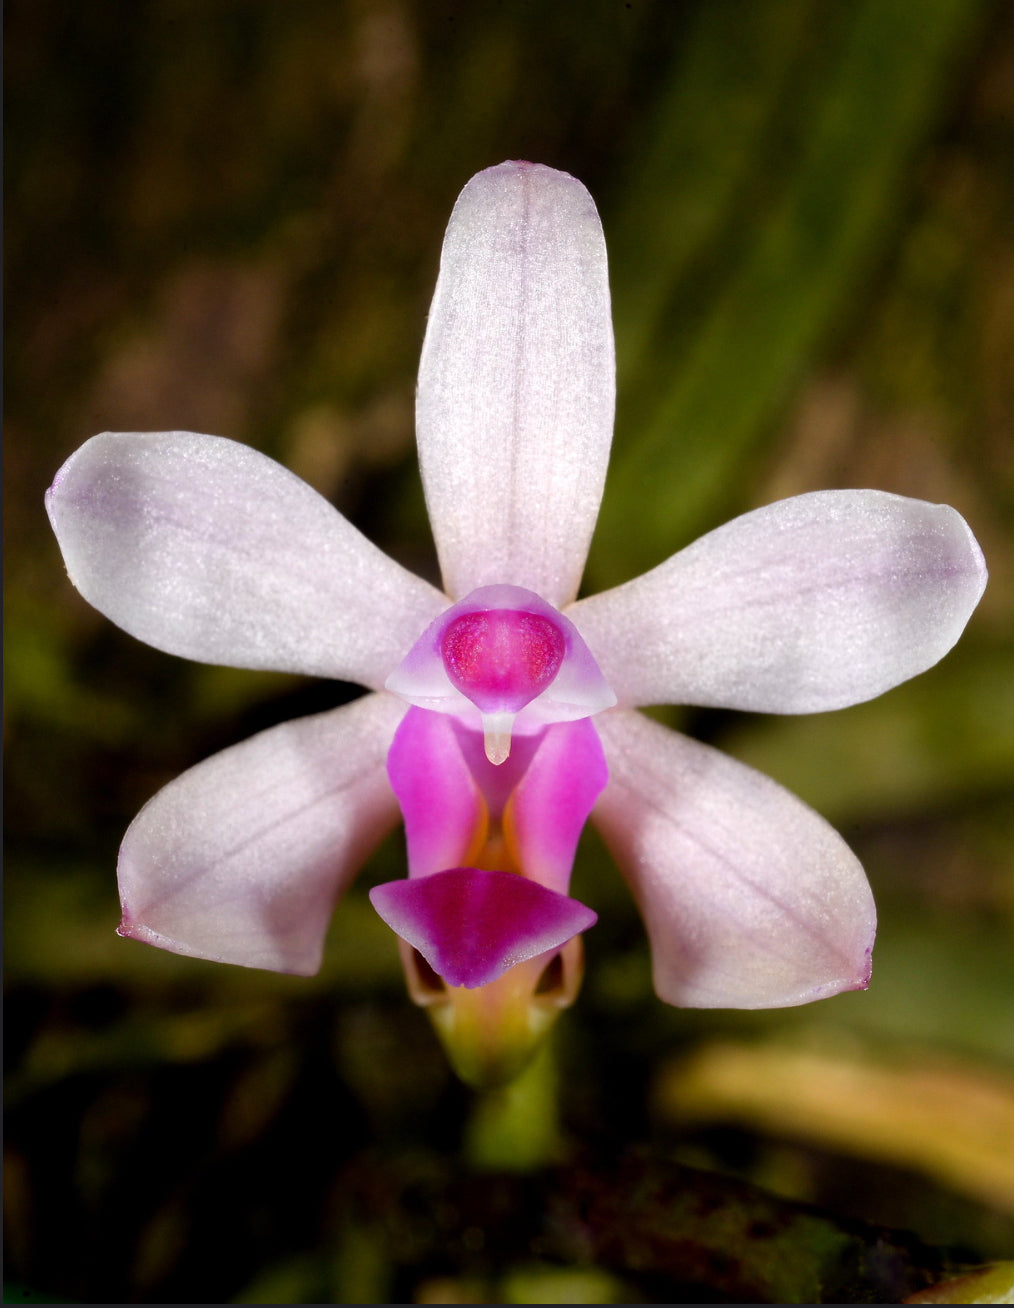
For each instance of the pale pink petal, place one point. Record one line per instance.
(208, 549)
(241, 859)
(750, 899)
(516, 384)
(473, 925)
(813, 603)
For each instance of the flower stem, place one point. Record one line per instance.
(516, 1127)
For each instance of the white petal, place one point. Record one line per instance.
(516, 385)
(206, 548)
(750, 899)
(813, 603)
(242, 858)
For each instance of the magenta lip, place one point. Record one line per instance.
(472, 925)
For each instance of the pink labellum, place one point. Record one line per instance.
(443, 807)
(552, 801)
(471, 926)
(451, 796)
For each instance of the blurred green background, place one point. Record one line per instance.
(225, 215)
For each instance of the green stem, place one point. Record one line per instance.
(516, 1127)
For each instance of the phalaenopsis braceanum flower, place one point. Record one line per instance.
(503, 710)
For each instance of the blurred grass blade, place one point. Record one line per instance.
(793, 210)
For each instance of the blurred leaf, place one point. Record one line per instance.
(940, 978)
(791, 243)
(545, 1285)
(39, 681)
(994, 1284)
(951, 1121)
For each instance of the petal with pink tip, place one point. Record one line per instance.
(241, 859)
(751, 900)
(514, 412)
(208, 549)
(551, 803)
(471, 926)
(813, 603)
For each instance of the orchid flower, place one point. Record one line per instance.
(503, 710)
